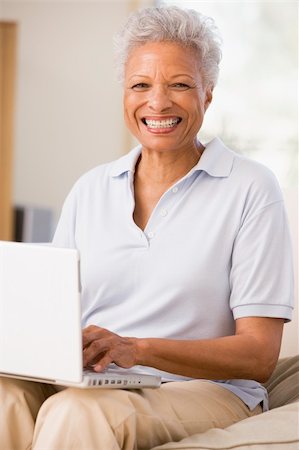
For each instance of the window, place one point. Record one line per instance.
(254, 109)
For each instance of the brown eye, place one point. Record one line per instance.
(140, 87)
(180, 86)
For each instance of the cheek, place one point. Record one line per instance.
(129, 116)
(200, 107)
(130, 106)
(127, 109)
(196, 110)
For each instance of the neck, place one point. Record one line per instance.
(166, 167)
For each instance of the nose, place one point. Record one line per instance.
(159, 98)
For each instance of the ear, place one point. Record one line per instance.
(208, 96)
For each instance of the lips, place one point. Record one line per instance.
(160, 124)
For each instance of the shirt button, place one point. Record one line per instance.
(150, 234)
(175, 189)
(163, 212)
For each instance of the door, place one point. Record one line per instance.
(8, 36)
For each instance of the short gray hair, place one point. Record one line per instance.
(186, 27)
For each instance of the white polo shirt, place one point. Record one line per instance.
(216, 248)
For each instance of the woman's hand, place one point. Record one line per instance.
(102, 347)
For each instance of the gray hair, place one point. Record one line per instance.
(186, 27)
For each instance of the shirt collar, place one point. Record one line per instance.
(126, 163)
(216, 160)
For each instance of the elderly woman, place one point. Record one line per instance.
(186, 267)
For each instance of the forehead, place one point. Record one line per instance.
(168, 57)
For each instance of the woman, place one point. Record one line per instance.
(185, 256)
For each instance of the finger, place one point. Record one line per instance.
(91, 364)
(96, 348)
(90, 334)
(103, 363)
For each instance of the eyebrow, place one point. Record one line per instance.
(182, 75)
(137, 75)
(172, 77)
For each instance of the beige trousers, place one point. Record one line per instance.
(35, 416)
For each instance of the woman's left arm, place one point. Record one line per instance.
(251, 353)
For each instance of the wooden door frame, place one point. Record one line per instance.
(8, 38)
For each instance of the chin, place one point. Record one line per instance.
(159, 143)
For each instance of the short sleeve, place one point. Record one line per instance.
(262, 273)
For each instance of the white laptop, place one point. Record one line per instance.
(40, 320)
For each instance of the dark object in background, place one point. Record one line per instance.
(33, 224)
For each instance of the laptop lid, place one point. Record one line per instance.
(40, 316)
(40, 320)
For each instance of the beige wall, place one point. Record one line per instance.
(68, 104)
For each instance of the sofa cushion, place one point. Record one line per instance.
(283, 386)
(276, 429)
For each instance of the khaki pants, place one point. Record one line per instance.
(36, 416)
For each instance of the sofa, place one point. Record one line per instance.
(276, 429)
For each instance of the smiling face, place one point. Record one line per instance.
(165, 99)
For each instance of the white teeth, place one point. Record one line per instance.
(168, 123)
